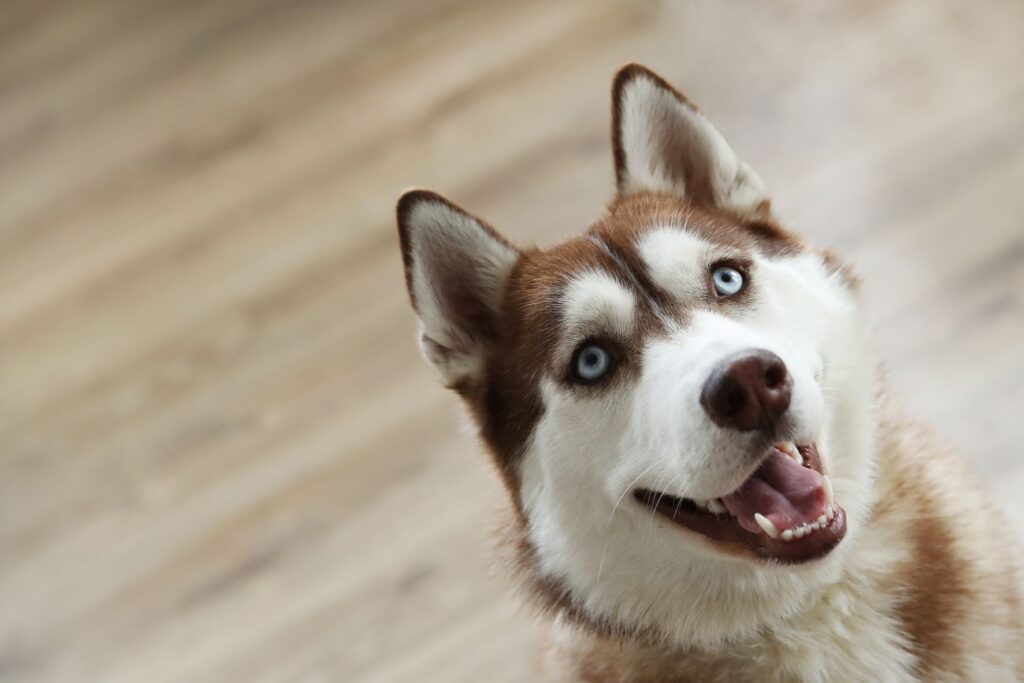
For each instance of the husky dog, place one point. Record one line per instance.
(706, 481)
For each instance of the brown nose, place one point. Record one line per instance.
(747, 391)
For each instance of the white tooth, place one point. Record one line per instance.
(790, 449)
(787, 535)
(801, 531)
(702, 504)
(826, 483)
(822, 520)
(830, 512)
(715, 505)
(766, 524)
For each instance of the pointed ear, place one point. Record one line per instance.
(456, 269)
(663, 143)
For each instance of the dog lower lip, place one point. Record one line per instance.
(777, 514)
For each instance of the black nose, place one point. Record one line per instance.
(747, 391)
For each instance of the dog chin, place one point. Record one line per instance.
(702, 602)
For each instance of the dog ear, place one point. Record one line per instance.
(663, 143)
(456, 269)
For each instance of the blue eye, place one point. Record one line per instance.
(727, 280)
(592, 363)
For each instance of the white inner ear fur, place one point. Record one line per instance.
(661, 135)
(456, 262)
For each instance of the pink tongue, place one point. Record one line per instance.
(781, 490)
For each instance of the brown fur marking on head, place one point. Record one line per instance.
(508, 405)
(629, 216)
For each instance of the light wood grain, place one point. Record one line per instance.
(221, 458)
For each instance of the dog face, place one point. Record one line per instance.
(679, 400)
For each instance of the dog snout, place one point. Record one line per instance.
(748, 391)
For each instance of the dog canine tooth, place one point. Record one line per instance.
(826, 483)
(715, 506)
(766, 525)
(790, 449)
(822, 520)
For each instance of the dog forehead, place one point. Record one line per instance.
(652, 247)
(631, 218)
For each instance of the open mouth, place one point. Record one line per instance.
(784, 511)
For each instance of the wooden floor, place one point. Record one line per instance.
(221, 458)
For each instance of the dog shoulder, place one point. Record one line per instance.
(958, 588)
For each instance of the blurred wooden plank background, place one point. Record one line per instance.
(220, 456)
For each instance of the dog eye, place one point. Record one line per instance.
(727, 281)
(592, 362)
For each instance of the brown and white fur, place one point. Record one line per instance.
(922, 584)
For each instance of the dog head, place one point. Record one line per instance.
(679, 400)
